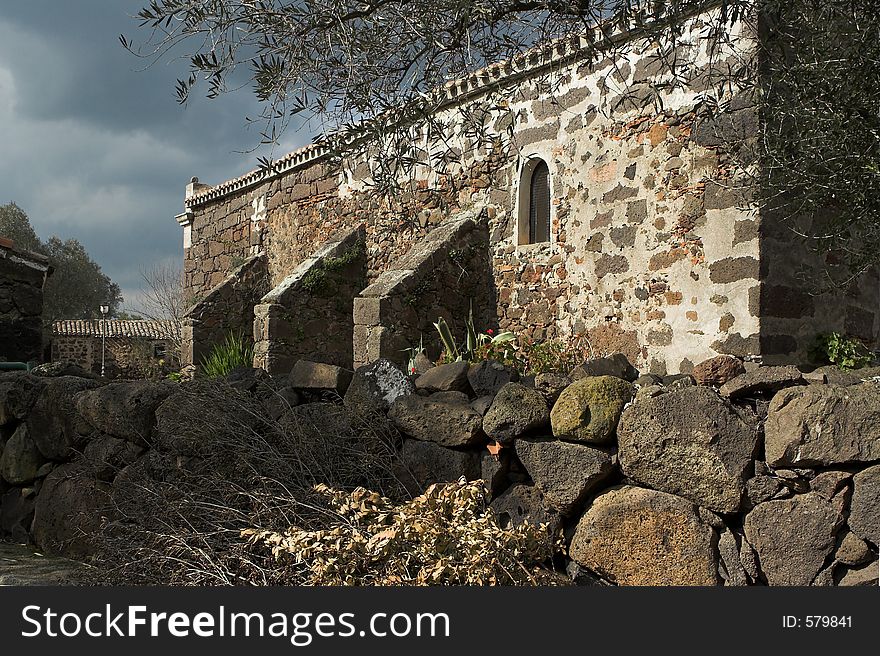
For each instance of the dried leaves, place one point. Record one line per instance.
(447, 536)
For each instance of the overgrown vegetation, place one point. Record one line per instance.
(234, 351)
(319, 280)
(841, 350)
(527, 356)
(229, 496)
(447, 536)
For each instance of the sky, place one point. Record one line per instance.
(93, 144)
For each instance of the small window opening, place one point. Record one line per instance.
(539, 204)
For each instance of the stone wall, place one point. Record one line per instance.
(656, 248)
(226, 309)
(660, 481)
(22, 276)
(124, 357)
(309, 314)
(220, 239)
(448, 275)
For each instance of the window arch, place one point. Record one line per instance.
(534, 202)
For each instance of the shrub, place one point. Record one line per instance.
(232, 352)
(841, 350)
(447, 536)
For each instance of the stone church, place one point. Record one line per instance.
(598, 206)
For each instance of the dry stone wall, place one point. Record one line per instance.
(124, 357)
(655, 482)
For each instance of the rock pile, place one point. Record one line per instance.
(726, 477)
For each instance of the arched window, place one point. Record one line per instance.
(534, 202)
(539, 204)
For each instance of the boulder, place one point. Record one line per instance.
(822, 425)
(494, 470)
(62, 368)
(864, 514)
(646, 380)
(679, 381)
(616, 365)
(852, 550)
(319, 377)
(588, 410)
(863, 576)
(649, 392)
(69, 511)
(834, 375)
(763, 380)
(691, 443)
(487, 377)
(53, 419)
(482, 404)
(250, 380)
(426, 463)
(16, 515)
(18, 392)
(565, 473)
(718, 370)
(634, 536)
(524, 503)
(763, 488)
(374, 387)
(452, 377)
(829, 483)
(106, 455)
(516, 411)
(731, 568)
(124, 409)
(793, 537)
(551, 385)
(21, 459)
(446, 418)
(281, 401)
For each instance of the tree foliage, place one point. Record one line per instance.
(815, 80)
(77, 287)
(820, 153)
(343, 60)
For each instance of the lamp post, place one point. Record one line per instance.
(104, 310)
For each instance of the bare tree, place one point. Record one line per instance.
(163, 299)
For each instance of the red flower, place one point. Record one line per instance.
(490, 332)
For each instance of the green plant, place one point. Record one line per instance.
(232, 352)
(841, 350)
(551, 355)
(414, 352)
(474, 341)
(317, 281)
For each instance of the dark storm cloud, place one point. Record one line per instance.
(93, 147)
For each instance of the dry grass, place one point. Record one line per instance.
(218, 466)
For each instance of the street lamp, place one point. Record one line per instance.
(104, 310)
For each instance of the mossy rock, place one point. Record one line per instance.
(588, 410)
